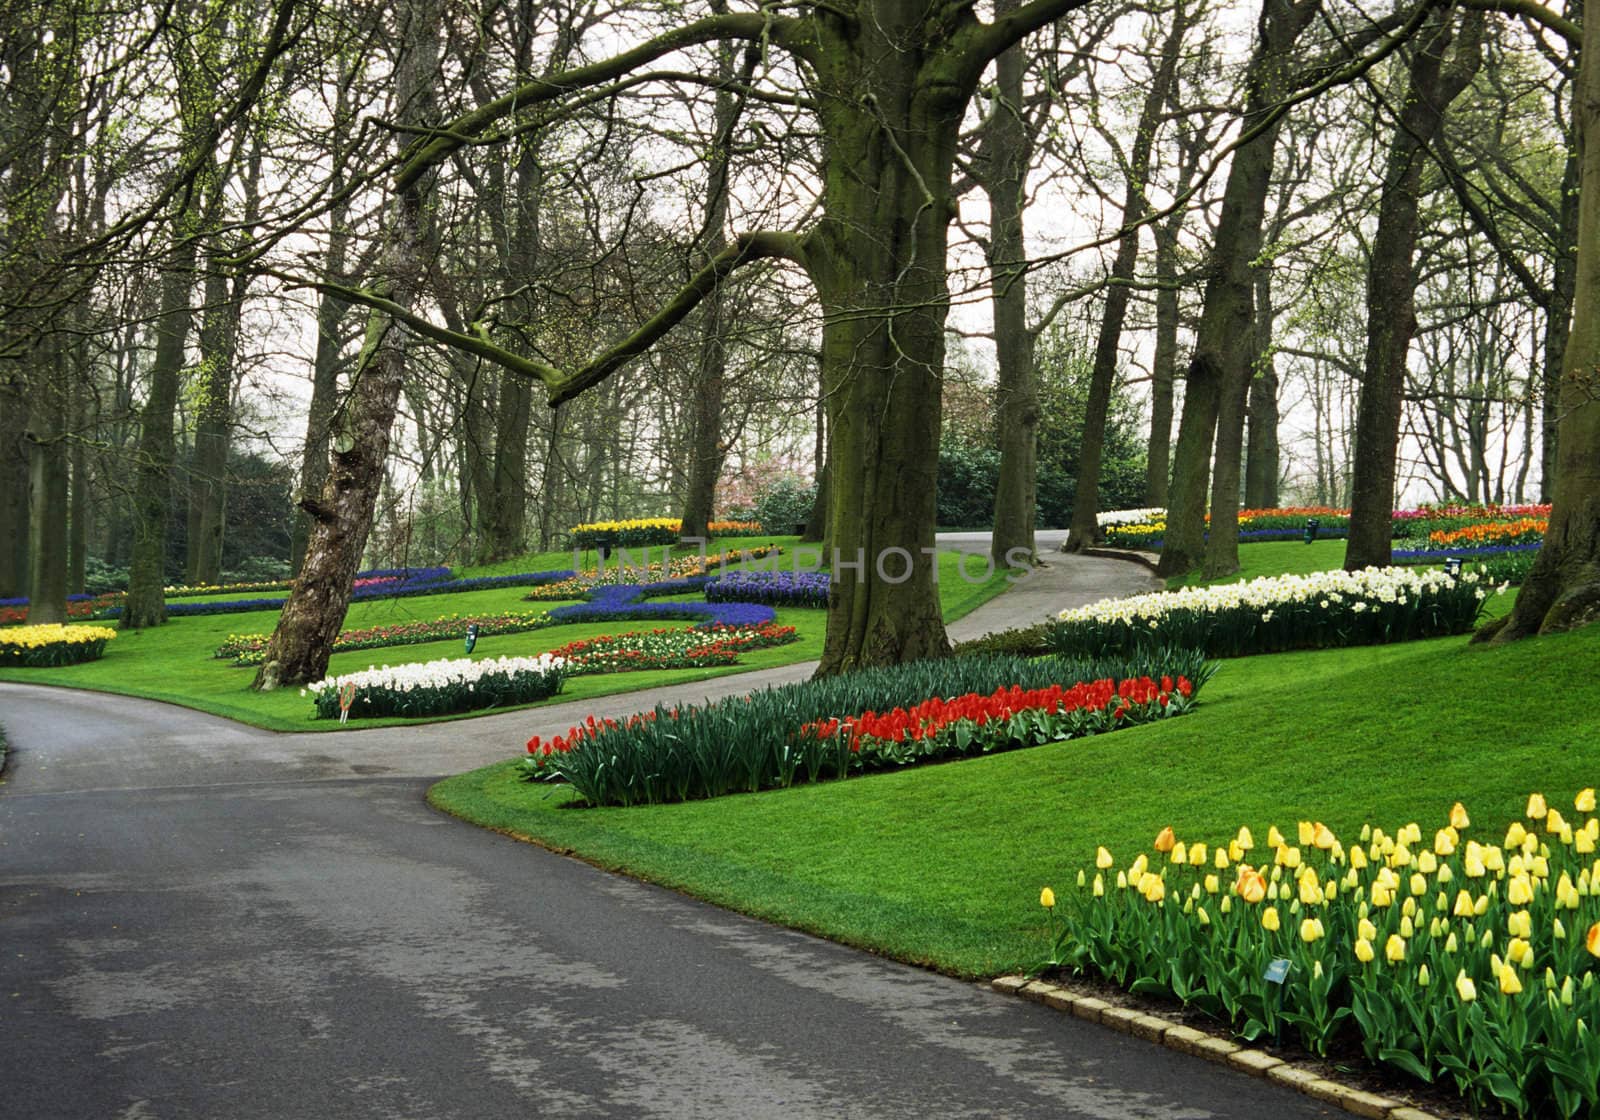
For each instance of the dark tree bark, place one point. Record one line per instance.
(1219, 371)
(219, 343)
(1558, 322)
(47, 487)
(1261, 453)
(298, 651)
(1102, 376)
(1563, 589)
(78, 520)
(1008, 146)
(146, 603)
(1163, 364)
(1432, 84)
(14, 485)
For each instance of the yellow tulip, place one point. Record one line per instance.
(1394, 949)
(1047, 898)
(1226, 905)
(1519, 923)
(1311, 930)
(1099, 887)
(1180, 853)
(1139, 866)
(1400, 857)
(1516, 949)
(1480, 907)
(1554, 822)
(1423, 977)
(1358, 859)
(1494, 859)
(1197, 855)
(1244, 839)
(1407, 928)
(1269, 919)
(1310, 893)
(1291, 857)
(1557, 930)
(1419, 884)
(1509, 983)
(1252, 887)
(1322, 837)
(1472, 862)
(1515, 835)
(1364, 952)
(1082, 878)
(1582, 842)
(1212, 885)
(1122, 880)
(1536, 807)
(1201, 915)
(1427, 863)
(1165, 839)
(1443, 843)
(1235, 851)
(1102, 859)
(1458, 816)
(1274, 837)
(1366, 930)
(1445, 874)
(1519, 891)
(1584, 802)
(1381, 895)
(1465, 987)
(1463, 908)
(1305, 830)
(1539, 866)
(1450, 943)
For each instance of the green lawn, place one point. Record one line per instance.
(174, 662)
(1274, 558)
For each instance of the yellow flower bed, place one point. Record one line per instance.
(47, 645)
(1445, 953)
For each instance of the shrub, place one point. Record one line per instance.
(784, 504)
(1320, 610)
(1029, 641)
(1471, 960)
(44, 646)
(756, 742)
(436, 688)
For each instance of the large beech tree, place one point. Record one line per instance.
(888, 82)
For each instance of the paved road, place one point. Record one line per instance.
(204, 920)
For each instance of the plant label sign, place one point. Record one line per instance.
(1277, 971)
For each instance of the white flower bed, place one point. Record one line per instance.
(1281, 612)
(427, 688)
(1130, 516)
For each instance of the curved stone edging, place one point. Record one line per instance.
(1187, 1040)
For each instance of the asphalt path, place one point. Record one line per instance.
(200, 919)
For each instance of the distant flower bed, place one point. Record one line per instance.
(1147, 528)
(44, 646)
(1321, 610)
(646, 531)
(250, 649)
(805, 732)
(1524, 530)
(781, 589)
(691, 648)
(1508, 563)
(436, 688)
(578, 585)
(1130, 516)
(625, 603)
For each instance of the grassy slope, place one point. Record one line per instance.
(174, 662)
(942, 865)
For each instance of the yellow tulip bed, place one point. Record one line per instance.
(44, 646)
(1450, 955)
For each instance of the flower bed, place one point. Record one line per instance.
(1524, 530)
(1148, 529)
(760, 741)
(1451, 959)
(625, 603)
(436, 688)
(250, 649)
(691, 648)
(44, 646)
(651, 530)
(782, 589)
(1508, 563)
(578, 585)
(1320, 610)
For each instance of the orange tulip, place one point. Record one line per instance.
(1165, 839)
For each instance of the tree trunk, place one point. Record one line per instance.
(1261, 452)
(146, 603)
(1391, 282)
(298, 651)
(219, 339)
(14, 486)
(1563, 589)
(78, 530)
(1102, 376)
(1163, 365)
(1009, 149)
(47, 493)
(891, 117)
(1220, 367)
(1558, 320)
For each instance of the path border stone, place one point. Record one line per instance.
(1187, 1040)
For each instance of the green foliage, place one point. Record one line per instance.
(784, 504)
(968, 477)
(1028, 641)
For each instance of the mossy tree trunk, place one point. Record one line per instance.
(1563, 589)
(1432, 84)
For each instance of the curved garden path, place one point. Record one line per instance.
(200, 919)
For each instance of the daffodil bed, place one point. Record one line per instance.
(435, 688)
(647, 531)
(1275, 613)
(1447, 956)
(45, 646)
(872, 719)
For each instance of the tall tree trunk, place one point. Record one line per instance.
(1009, 147)
(1220, 368)
(1391, 281)
(47, 492)
(1163, 365)
(14, 484)
(1261, 452)
(553, 478)
(298, 651)
(1563, 589)
(1558, 320)
(219, 341)
(146, 603)
(1102, 376)
(78, 531)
